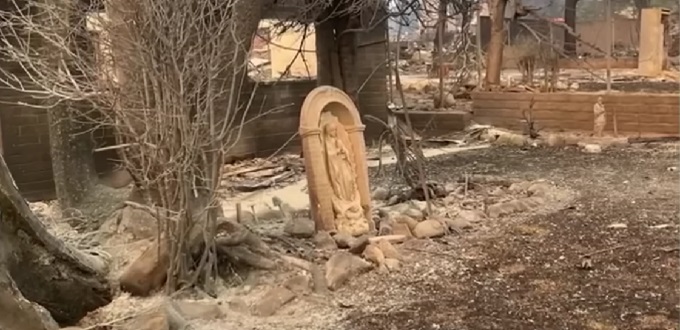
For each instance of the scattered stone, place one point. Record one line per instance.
(324, 241)
(342, 266)
(298, 284)
(300, 227)
(459, 224)
(380, 194)
(388, 250)
(418, 205)
(415, 214)
(618, 226)
(447, 102)
(198, 310)
(401, 229)
(390, 238)
(147, 272)
(162, 317)
(156, 319)
(318, 279)
(519, 187)
(238, 305)
(538, 189)
(410, 222)
(429, 228)
(531, 202)
(343, 241)
(359, 244)
(497, 192)
(393, 200)
(515, 206)
(505, 208)
(399, 208)
(138, 223)
(392, 264)
(272, 301)
(385, 228)
(472, 216)
(592, 148)
(373, 254)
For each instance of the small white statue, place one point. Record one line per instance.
(600, 118)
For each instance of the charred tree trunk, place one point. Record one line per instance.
(66, 281)
(336, 49)
(71, 143)
(494, 57)
(17, 312)
(71, 148)
(570, 21)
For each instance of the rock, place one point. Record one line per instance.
(399, 208)
(555, 140)
(299, 227)
(272, 301)
(388, 250)
(342, 266)
(459, 224)
(503, 208)
(163, 317)
(138, 223)
(515, 206)
(592, 148)
(392, 264)
(393, 239)
(373, 254)
(237, 305)
(146, 273)
(343, 241)
(198, 310)
(153, 320)
(415, 214)
(385, 228)
(447, 101)
(359, 244)
(401, 229)
(380, 194)
(324, 241)
(318, 279)
(472, 216)
(410, 222)
(429, 228)
(532, 202)
(116, 179)
(518, 187)
(538, 189)
(418, 205)
(299, 284)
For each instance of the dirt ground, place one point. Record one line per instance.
(525, 272)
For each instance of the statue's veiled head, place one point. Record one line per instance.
(331, 129)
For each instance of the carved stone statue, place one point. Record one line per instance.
(600, 118)
(349, 215)
(335, 163)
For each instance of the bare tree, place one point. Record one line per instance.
(168, 79)
(494, 55)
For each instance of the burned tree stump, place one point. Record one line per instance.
(67, 282)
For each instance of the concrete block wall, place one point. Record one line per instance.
(635, 112)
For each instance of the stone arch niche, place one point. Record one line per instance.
(335, 162)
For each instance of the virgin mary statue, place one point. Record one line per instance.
(341, 166)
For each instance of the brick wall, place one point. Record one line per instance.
(25, 135)
(639, 112)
